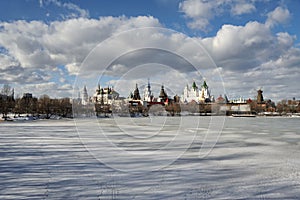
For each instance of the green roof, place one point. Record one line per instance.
(204, 85)
(194, 86)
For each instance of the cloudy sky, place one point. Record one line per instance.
(238, 46)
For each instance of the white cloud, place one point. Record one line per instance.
(30, 51)
(200, 12)
(285, 39)
(278, 16)
(200, 24)
(242, 8)
(53, 89)
(238, 47)
(74, 10)
(6, 62)
(38, 45)
(73, 68)
(247, 57)
(155, 53)
(197, 8)
(251, 56)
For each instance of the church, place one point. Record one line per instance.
(199, 95)
(105, 95)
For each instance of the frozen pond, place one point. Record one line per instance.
(151, 158)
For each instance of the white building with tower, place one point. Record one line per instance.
(199, 95)
(148, 96)
(85, 97)
(105, 95)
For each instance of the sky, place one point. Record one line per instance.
(238, 46)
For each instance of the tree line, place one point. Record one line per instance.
(28, 105)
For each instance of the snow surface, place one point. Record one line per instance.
(151, 158)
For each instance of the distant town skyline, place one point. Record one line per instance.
(56, 47)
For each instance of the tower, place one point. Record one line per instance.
(163, 95)
(205, 94)
(260, 97)
(147, 93)
(98, 89)
(136, 93)
(85, 96)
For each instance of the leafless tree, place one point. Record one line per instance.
(7, 101)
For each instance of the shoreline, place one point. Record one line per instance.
(58, 118)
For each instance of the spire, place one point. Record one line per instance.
(163, 94)
(136, 93)
(204, 85)
(98, 89)
(226, 98)
(147, 96)
(149, 83)
(84, 90)
(194, 86)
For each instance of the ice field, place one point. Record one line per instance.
(151, 158)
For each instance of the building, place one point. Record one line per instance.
(190, 94)
(205, 94)
(106, 100)
(239, 100)
(196, 94)
(85, 97)
(163, 97)
(136, 93)
(260, 98)
(105, 95)
(27, 96)
(148, 96)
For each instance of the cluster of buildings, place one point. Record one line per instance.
(107, 95)
(106, 99)
(194, 99)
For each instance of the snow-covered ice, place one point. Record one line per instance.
(151, 158)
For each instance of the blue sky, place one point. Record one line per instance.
(167, 11)
(253, 44)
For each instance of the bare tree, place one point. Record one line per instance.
(7, 101)
(6, 90)
(44, 105)
(65, 107)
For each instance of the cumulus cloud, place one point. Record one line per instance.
(31, 50)
(143, 53)
(38, 45)
(196, 8)
(200, 12)
(238, 47)
(278, 16)
(74, 11)
(242, 8)
(41, 56)
(53, 89)
(251, 56)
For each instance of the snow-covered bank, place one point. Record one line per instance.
(254, 158)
